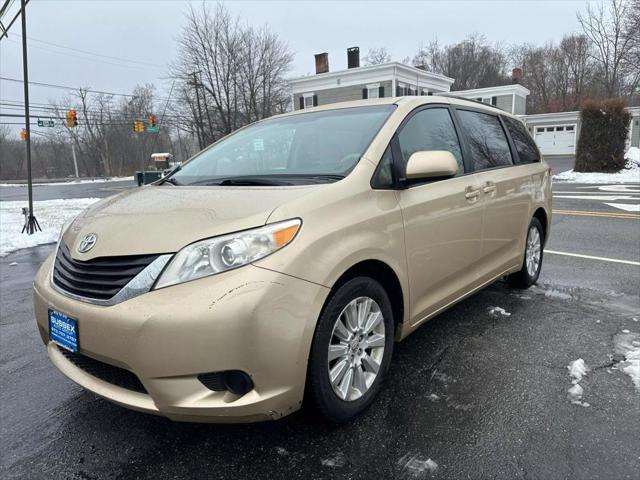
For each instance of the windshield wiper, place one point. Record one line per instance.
(244, 181)
(168, 178)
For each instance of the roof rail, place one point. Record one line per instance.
(458, 97)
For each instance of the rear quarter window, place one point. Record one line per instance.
(525, 146)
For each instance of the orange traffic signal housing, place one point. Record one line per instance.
(23, 134)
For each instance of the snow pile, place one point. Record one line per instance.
(498, 311)
(51, 215)
(577, 370)
(575, 395)
(628, 344)
(70, 182)
(630, 174)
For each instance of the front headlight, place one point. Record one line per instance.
(218, 254)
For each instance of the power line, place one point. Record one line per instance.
(74, 89)
(64, 87)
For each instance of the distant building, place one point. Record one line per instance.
(393, 79)
(555, 133)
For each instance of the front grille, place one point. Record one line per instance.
(114, 375)
(100, 278)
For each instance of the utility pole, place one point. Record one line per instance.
(199, 129)
(31, 225)
(75, 161)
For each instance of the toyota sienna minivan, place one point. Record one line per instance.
(282, 263)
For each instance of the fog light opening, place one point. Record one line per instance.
(238, 382)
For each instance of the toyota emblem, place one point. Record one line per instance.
(87, 243)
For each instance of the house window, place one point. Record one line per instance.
(412, 91)
(308, 100)
(373, 91)
(570, 128)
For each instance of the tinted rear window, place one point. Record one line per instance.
(486, 138)
(525, 146)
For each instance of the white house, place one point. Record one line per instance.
(555, 133)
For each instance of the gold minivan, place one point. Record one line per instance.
(283, 262)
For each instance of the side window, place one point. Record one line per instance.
(430, 129)
(487, 141)
(383, 178)
(525, 146)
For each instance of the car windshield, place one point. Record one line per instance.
(307, 148)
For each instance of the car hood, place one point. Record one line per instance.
(163, 219)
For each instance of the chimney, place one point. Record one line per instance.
(322, 62)
(516, 75)
(353, 57)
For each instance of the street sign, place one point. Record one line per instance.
(49, 123)
(152, 129)
(40, 123)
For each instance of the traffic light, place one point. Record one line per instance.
(23, 134)
(152, 120)
(71, 119)
(138, 126)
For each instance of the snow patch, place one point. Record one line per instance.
(575, 395)
(629, 174)
(497, 311)
(433, 397)
(282, 451)
(51, 215)
(557, 294)
(577, 370)
(628, 345)
(70, 182)
(337, 460)
(13, 264)
(417, 465)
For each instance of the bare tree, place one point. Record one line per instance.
(377, 56)
(473, 63)
(613, 32)
(229, 74)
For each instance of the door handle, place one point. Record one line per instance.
(472, 193)
(489, 188)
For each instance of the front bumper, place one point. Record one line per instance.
(249, 319)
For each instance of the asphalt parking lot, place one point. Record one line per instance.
(475, 393)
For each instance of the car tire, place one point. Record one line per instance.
(532, 261)
(342, 383)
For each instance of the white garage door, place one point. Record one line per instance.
(556, 140)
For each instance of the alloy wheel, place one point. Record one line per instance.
(534, 250)
(356, 348)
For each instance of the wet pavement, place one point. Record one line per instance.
(474, 393)
(471, 394)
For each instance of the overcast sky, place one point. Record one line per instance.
(145, 32)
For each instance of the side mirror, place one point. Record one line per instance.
(431, 164)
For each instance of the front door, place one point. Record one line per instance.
(442, 219)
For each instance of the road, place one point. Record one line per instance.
(68, 190)
(480, 394)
